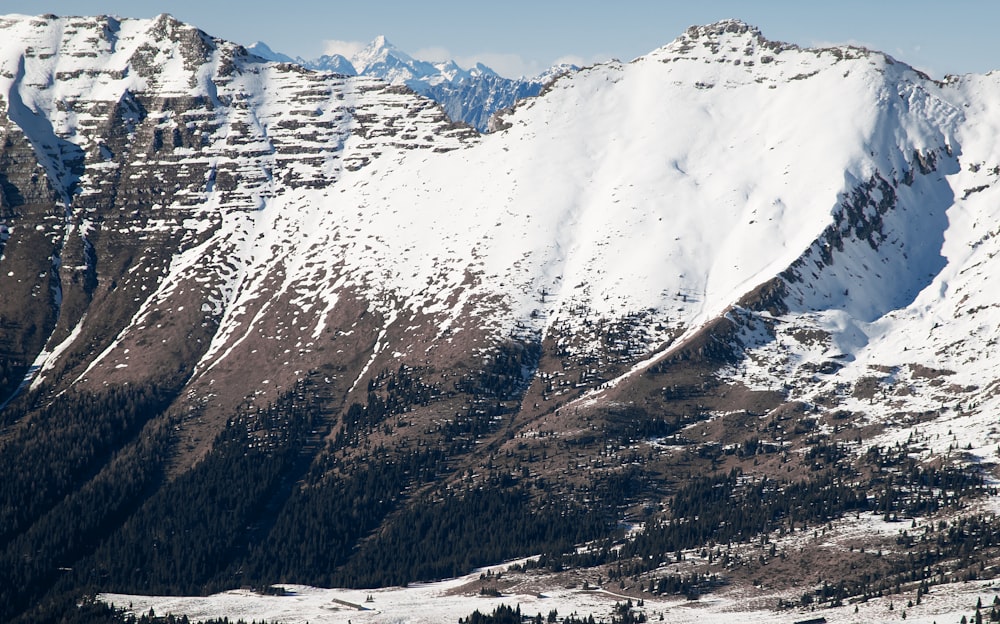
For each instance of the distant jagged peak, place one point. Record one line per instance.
(379, 51)
(450, 71)
(468, 95)
(381, 43)
(482, 70)
(336, 63)
(264, 51)
(382, 59)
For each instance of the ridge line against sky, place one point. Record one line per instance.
(524, 37)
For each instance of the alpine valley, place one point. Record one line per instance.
(712, 330)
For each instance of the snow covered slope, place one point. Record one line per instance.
(675, 184)
(667, 189)
(903, 312)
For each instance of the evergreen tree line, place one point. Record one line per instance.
(12, 370)
(320, 526)
(70, 610)
(72, 473)
(504, 614)
(623, 613)
(464, 530)
(689, 585)
(267, 505)
(318, 537)
(978, 618)
(732, 508)
(45, 555)
(187, 536)
(948, 552)
(64, 444)
(489, 393)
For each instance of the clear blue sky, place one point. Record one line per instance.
(515, 36)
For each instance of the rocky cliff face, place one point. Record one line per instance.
(270, 291)
(148, 162)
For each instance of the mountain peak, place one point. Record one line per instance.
(260, 45)
(740, 43)
(726, 26)
(166, 22)
(380, 47)
(381, 52)
(734, 32)
(264, 51)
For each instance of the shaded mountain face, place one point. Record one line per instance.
(263, 324)
(470, 96)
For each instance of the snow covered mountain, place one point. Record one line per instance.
(309, 305)
(470, 95)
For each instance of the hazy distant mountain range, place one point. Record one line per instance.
(468, 95)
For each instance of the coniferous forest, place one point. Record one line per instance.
(270, 503)
(92, 504)
(292, 493)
